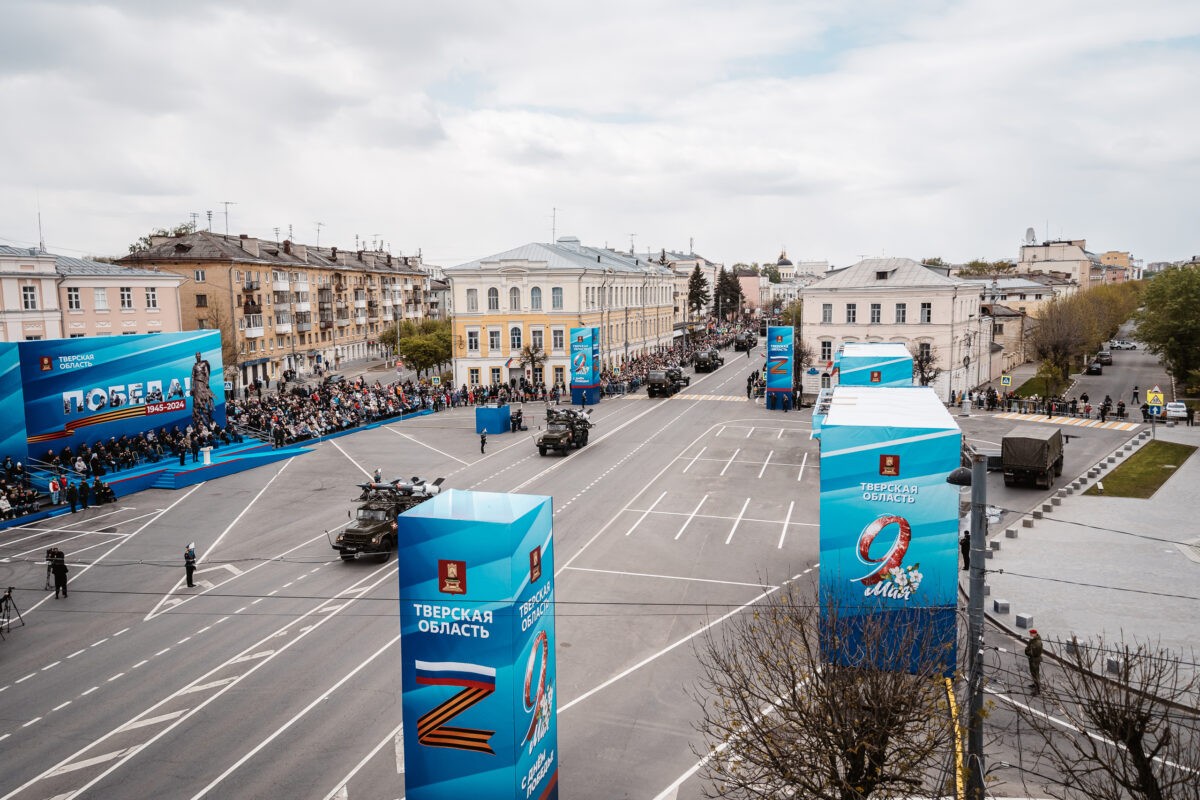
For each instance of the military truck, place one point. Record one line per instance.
(565, 428)
(707, 360)
(1032, 454)
(372, 531)
(666, 382)
(745, 341)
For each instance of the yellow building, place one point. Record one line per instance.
(524, 302)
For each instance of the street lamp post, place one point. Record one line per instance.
(976, 478)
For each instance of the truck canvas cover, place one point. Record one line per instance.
(1027, 446)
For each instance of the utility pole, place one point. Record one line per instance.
(319, 226)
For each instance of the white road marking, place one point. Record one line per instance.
(668, 577)
(749, 431)
(786, 522)
(431, 447)
(693, 461)
(77, 652)
(340, 792)
(61, 706)
(737, 522)
(91, 762)
(142, 723)
(765, 462)
(202, 687)
(645, 514)
(50, 665)
(691, 516)
(730, 461)
(141, 663)
(89, 691)
(803, 461)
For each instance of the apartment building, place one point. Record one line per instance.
(284, 305)
(29, 306)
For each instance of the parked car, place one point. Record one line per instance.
(1175, 410)
(1121, 344)
(1094, 368)
(1104, 357)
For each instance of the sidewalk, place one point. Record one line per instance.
(1105, 566)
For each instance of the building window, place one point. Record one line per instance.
(901, 313)
(29, 298)
(826, 351)
(851, 313)
(535, 299)
(126, 297)
(129, 333)
(199, 276)
(473, 376)
(73, 303)
(201, 301)
(494, 340)
(77, 335)
(536, 340)
(472, 299)
(493, 299)
(925, 350)
(495, 375)
(999, 328)
(556, 302)
(514, 299)
(473, 341)
(151, 297)
(556, 338)
(876, 313)
(559, 375)
(926, 313)
(514, 338)
(100, 296)
(827, 312)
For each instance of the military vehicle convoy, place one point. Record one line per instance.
(745, 341)
(373, 530)
(565, 428)
(1032, 454)
(666, 382)
(707, 360)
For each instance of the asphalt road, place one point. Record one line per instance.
(278, 675)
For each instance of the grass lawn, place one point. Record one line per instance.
(1034, 385)
(1145, 471)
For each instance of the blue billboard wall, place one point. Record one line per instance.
(889, 521)
(477, 647)
(780, 357)
(12, 404)
(83, 390)
(585, 365)
(874, 364)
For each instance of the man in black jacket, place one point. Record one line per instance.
(59, 568)
(72, 495)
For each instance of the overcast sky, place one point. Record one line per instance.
(836, 129)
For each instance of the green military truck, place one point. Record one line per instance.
(372, 531)
(707, 360)
(1032, 455)
(565, 428)
(666, 382)
(745, 341)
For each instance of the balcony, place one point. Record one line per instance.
(283, 327)
(360, 302)
(360, 320)
(253, 332)
(281, 286)
(251, 308)
(326, 324)
(343, 322)
(303, 327)
(304, 307)
(251, 286)
(373, 316)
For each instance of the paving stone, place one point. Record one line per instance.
(1010, 533)
(1025, 621)
(1000, 606)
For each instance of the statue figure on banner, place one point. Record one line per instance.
(202, 398)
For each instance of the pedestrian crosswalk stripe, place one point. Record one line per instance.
(725, 398)
(1076, 421)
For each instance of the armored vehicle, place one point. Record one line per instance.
(373, 529)
(666, 382)
(707, 360)
(745, 341)
(1032, 454)
(565, 428)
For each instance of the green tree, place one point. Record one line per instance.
(1060, 339)
(422, 353)
(792, 315)
(728, 294)
(935, 261)
(143, 244)
(772, 273)
(698, 294)
(979, 266)
(925, 364)
(1169, 321)
(532, 357)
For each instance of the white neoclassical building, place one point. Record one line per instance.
(532, 295)
(899, 300)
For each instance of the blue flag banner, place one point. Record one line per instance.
(584, 361)
(874, 364)
(12, 404)
(780, 358)
(889, 520)
(477, 647)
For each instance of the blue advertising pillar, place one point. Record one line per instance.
(477, 647)
(585, 366)
(779, 367)
(889, 522)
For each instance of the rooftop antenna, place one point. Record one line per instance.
(276, 229)
(290, 232)
(631, 243)
(319, 226)
(691, 245)
(195, 215)
(1030, 236)
(41, 238)
(356, 241)
(553, 224)
(209, 213)
(227, 204)
(376, 240)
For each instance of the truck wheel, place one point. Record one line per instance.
(541, 449)
(1009, 481)
(388, 547)
(583, 440)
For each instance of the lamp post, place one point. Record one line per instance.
(976, 478)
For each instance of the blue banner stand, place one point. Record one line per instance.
(493, 419)
(477, 647)
(585, 396)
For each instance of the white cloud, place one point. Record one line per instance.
(928, 128)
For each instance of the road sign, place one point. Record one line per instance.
(1154, 398)
(1155, 411)
(1006, 380)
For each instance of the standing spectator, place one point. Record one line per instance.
(483, 440)
(195, 443)
(1033, 651)
(84, 491)
(1135, 396)
(964, 544)
(54, 491)
(189, 563)
(59, 568)
(72, 495)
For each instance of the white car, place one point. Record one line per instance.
(1175, 410)
(1121, 344)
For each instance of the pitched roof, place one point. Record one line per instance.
(565, 254)
(900, 272)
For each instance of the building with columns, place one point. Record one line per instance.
(283, 305)
(531, 297)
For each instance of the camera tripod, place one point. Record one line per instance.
(8, 607)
